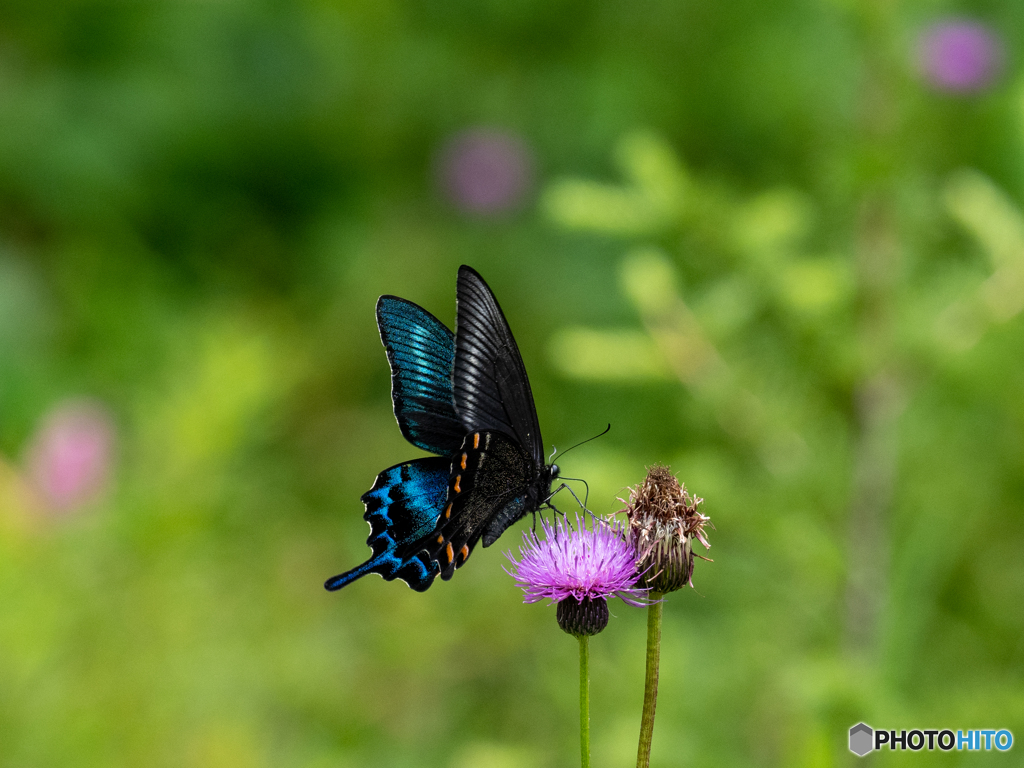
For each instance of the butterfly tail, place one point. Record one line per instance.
(343, 579)
(417, 572)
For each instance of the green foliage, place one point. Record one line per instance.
(758, 244)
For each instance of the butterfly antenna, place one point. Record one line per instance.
(602, 434)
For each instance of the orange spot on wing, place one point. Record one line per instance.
(449, 552)
(476, 439)
(440, 539)
(458, 479)
(464, 552)
(448, 511)
(463, 461)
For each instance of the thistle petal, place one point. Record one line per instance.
(576, 562)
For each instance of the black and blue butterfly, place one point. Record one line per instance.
(466, 398)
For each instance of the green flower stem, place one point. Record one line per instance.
(584, 701)
(643, 754)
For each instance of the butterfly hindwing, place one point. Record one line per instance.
(491, 388)
(487, 492)
(421, 352)
(402, 508)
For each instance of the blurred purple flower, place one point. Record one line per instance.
(576, 563)
(69, 458)
(485, 171)
(959, 55)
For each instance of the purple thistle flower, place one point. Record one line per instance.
(959, 55)
(69, 460)
(485, 171)
(579, 569)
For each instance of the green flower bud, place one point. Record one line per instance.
(583, 618)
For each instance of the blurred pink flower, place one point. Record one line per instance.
(959, 55)
(69, 458)
(485, 171)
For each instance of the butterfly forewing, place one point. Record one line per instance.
(491, 388)
(421, 352)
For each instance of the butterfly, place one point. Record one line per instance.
(464, 397)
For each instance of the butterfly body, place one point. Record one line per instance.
(466, 397)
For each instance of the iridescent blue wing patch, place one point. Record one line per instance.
(402, 509)
(421, 351)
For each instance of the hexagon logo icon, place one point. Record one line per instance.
(861, 738)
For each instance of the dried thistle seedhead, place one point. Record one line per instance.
(663, 522)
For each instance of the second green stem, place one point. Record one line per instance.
(643, 755)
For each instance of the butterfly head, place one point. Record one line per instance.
(539, 490)
(546, 478)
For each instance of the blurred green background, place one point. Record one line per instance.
(778, 245)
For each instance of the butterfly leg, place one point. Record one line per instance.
(586, 485)
(548, 503)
